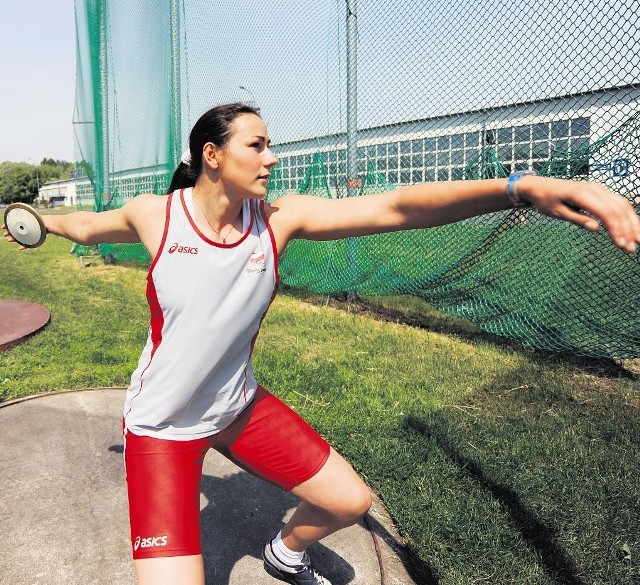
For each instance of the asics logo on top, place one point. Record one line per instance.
(182, 249)
(149, 542)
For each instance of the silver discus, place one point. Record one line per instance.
(25, 225)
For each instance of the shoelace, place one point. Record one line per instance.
(321, 580)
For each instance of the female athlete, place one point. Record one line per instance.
(214, 244)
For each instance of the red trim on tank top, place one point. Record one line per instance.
(276, 284)
(276, 258)
(164, 236)
(207, 240)
(157, 316)
(157, 324)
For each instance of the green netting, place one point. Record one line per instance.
(516, 273)
(443, 92)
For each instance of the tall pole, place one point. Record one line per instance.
(352, 137)
(352, 99)
(175, 129)
(35, 164)
(103, 186)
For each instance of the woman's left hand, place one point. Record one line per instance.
(568, 199)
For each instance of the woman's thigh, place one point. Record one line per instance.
(273, 442)
(163, 484)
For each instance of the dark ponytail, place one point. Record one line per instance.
(183, 177)
(213, 126)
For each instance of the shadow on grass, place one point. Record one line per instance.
(419, 570)
(538, 536)
(439, 322)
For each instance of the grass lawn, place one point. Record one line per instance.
(499, 465)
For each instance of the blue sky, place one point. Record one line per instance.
(37, 76)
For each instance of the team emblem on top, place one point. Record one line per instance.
(256, 262)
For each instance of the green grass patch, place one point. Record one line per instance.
(545, 283)
(499, 465)
(98, 325)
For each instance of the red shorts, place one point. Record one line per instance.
(268, 440)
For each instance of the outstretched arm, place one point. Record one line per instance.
(88, 227)
(138, 220)
(433, 204)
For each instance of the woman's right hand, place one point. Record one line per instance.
(9, 237)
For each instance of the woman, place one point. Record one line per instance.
(215, 244)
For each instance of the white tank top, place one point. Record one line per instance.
(207, 301)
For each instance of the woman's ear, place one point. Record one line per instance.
(210, 155)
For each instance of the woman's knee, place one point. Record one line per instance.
(337, 490)
(354, 502)
(356, 506)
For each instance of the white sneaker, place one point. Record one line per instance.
(302, 574)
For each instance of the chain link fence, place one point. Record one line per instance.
(364, 96)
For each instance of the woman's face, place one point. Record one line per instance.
(244, 163)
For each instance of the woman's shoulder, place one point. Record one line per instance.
(281, 207)
(145, 207)
(294, 205)
(151, 198)
(146, 202)
(288, 201)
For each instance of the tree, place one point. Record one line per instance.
(19, 181)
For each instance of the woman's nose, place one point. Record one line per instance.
(271, 159)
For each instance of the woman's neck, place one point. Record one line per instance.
(218, 212)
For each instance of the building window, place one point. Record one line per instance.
(446, 156)
(505, 135)
(580, 127)
(443, 142)
(457, 141)
(522, 133)
(540, 131)
(471, 140)
(560, 129)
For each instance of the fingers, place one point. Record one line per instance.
(580, 219)
(588, 205)
(616, 214)
(9, 237)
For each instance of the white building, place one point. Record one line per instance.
(58, 193)
(524, 135)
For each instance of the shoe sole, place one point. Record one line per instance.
(275, 573)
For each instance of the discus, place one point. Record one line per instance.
(25, 225)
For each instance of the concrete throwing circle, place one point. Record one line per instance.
(65, 504)
(19, 320)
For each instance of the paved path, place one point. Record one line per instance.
(64, 519)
